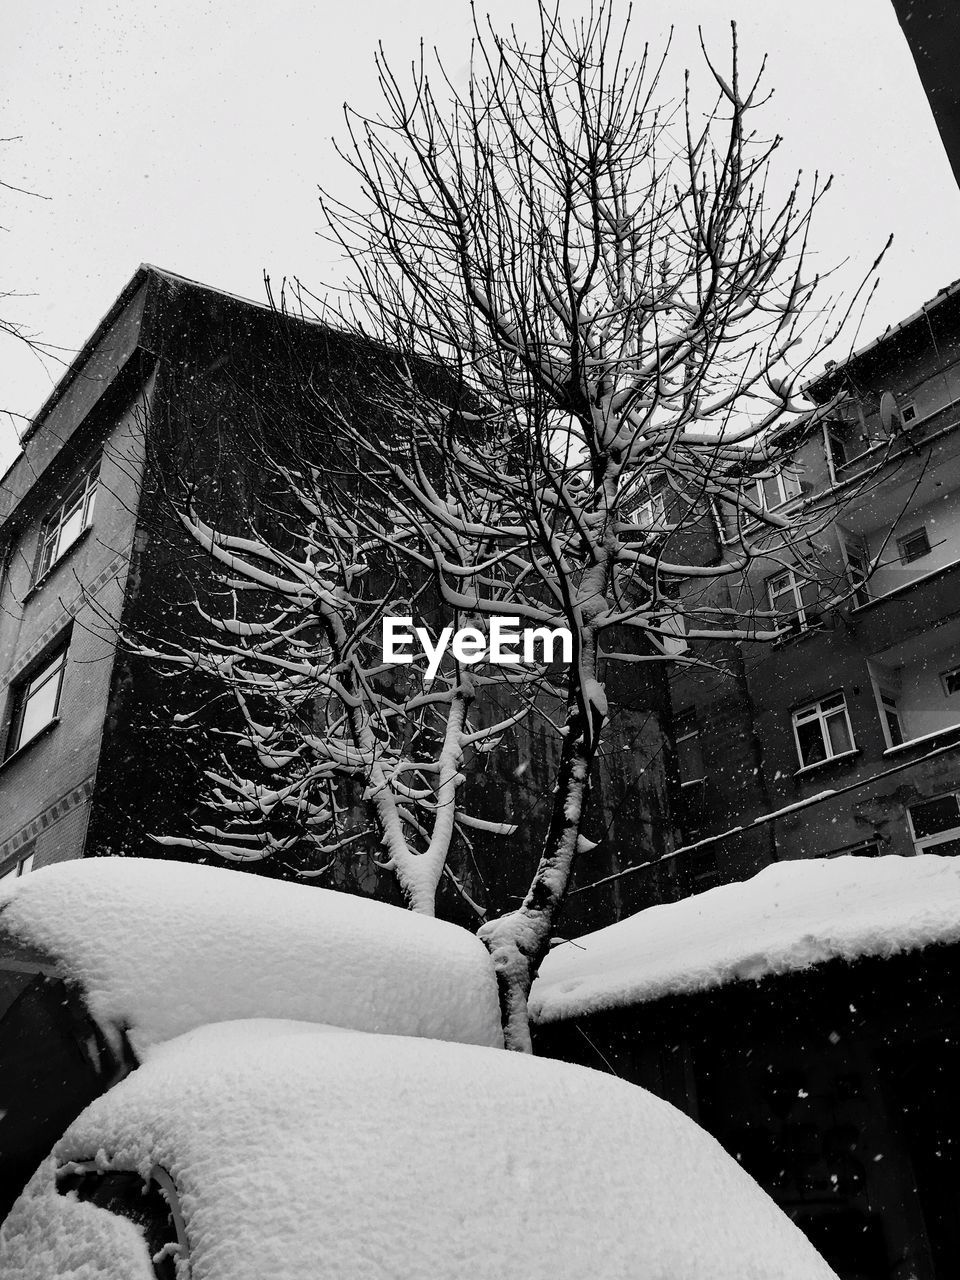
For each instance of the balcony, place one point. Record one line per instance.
(862, 446)
(917, 687)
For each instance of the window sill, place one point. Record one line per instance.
(24, 747)
(61, 559)
(795, 637)
(822, 764)
(693, 782)
(923, 740)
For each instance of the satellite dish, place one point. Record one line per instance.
(889, 412)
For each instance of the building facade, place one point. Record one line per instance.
(182, 384)
(843, 736)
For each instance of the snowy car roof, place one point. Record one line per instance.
(790, 916)
(299, 1151)
(160, 946)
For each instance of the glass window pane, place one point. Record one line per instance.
(40, 699)
(38, 711)
(71, 529)
(46, 556)
(810, 737)
(893, 726)
(839, 734)
(809, 595)
(946, 848)
(772, 495)
(26, 864)
(934, 816)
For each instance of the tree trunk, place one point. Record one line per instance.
(518, 941)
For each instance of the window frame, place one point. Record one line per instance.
(754, 490)
(928, 844)
(802, 611)
(81, 496)
(869, 848)
(20, 865)
(52, 666)
(834, 445)
(856, 559)
(890, 706)
(951, 673)
(649, 513)
(816, 712)
(920, 531)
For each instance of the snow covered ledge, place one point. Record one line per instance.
(790, 916)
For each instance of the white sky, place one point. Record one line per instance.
(193, 134)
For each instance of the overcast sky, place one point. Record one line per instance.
(193, 134)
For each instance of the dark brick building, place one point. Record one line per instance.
(181, 379)
(847, 730)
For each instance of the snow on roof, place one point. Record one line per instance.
(51, 1237)
(161, 946)
(790, 916)
(297, 1149)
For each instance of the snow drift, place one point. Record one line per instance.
(790, 916)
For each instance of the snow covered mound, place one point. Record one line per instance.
(300, 1151)
(162, 946)
(51, 1237)
(790, 916)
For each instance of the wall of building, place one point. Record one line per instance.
(45, 788)
(751, 763)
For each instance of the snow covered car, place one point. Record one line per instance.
(252, 1143)
(102, 958)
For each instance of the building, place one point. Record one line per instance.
(794, 1000)
(843, 736)
(932, 30)
(176, 382)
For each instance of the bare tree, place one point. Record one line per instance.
(12, 329)
(615, 301)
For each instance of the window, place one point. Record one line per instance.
(64, 525)
(862, 849)
(789, 595)
(770, 492)
(950, 681)
(858, 570)
(837, 447)
(822, 730)
(935, 824)
(650, 513)
(773, 491)
(18, 867)
(686, 734)
(893, 725)
(37, 701)
(913, 545)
